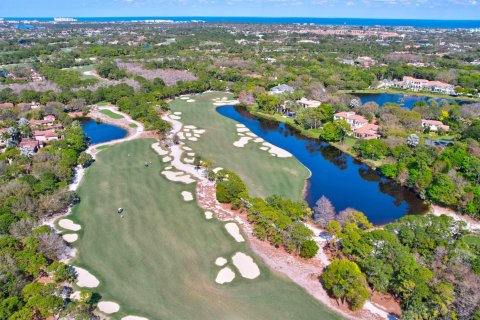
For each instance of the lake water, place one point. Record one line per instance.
(405, 100)
(346, 182)
(99, 132)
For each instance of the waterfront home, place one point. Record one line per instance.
(45, 135)
(354, 120)
(422, 84)
(435, 125)
(367, 132)
(281, 89)
(308, 103)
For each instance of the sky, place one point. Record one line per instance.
(401, 9)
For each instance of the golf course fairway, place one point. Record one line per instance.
(158, 261)
(263, 174)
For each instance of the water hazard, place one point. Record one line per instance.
(99, 132)
(345, 181)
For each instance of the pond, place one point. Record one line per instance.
(346, 182)
(99, 132)
(405, 100)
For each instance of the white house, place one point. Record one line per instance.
(307, 103)
(281, 89)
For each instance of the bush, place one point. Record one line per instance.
(308, 249)
(230, 188)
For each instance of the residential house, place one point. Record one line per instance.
(45, 135)
(281, 89)
(422, 84)
(359, 125)
(6, 105)
(48, 120)
(365, 62)
(435, 125)
(32, 143)
(307, 103)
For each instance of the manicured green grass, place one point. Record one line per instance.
(111, 114)
(132, 125)
(83, 69)
(103, 147)
(263, 174)
(158, 261)
(103, 103)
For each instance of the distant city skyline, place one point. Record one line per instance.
(388, 9)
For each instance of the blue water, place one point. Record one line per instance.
(445, 24)
(404, 100)
(99, 132)
(346, 182)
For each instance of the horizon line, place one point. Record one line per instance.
(222, 16)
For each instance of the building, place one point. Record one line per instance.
(45, 135)
(435, 125)
(354, 120)
(281, 89)
(6, 105)
(422, 84)
(46, 121)
(367, 132)
(307, 103)
(365, 62)
(32, 143)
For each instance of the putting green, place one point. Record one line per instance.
(263, 174)
(159, 260)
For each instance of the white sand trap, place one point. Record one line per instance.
(178, 176)
(167, 159)
(188, 134)
(133, 318)
(243, 130)
(221, 261)
(108, 307)
(196, 135)
(242, 142)
(187, 148)
(199, 131)
(251, 134)
(259, 140)
(191, 154)
(264, 148)
(188, 160)
(245, 265)
(69, 225)
(190, 127)
(178, 113)
(234, 231)
(186, 129)
(190, 100)
(279, 152)
(174, 117)
(217, 169)
(225, 275)
(70, 237)
(168, 168)
(180, 135)
(85, 279)
(184, 98)
(240, 134)
(240, 125)
(193, 139)
(158, 149)
(224, 98)
(208, 215)
(187, 196)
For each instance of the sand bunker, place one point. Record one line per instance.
(85, 279)
(188, 160)
(276, 151)
(193, 139)
(180, 135)
(190, 127)
(190, 100)
(221, 261)
(234, 231)
(108, 307)
(239, 125)
(245, 265)
(178, 176)
(188, 134)
(187, 148)
(187, 196)
(208, 215)
(177, 113)
(133, 318)
(69, 225)
(242, 142)
(258, 140)
(251, 134)
(158, 149)
(191, 154)
(225, 275)
(199, 131)
(71, 237)
(217, 169)
(243, 129)
(184, 98)
(75, 296)
(167, 159)
(174, 117)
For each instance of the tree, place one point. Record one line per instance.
(413, 140)
(372, 149)
(84, 159)
(335, 131)
(323, 212)
(442, 190)
(345, 280)
(308, 249)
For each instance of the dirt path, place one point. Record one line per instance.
(472, 225)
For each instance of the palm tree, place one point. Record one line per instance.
(413, 140)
